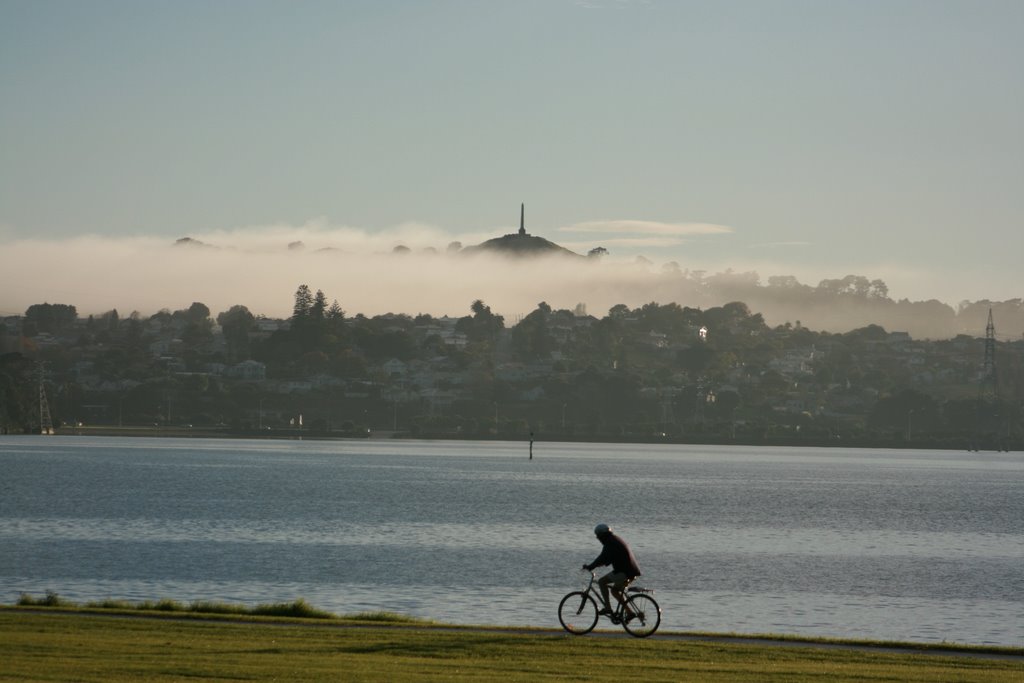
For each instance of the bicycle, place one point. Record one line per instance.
(578, 611)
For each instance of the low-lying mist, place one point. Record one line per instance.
(261, 269)
(147, 275)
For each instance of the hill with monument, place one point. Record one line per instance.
(520, 244)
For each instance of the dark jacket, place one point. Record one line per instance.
(618, 555)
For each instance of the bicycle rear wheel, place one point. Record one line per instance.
(578, 613)
(647, 615)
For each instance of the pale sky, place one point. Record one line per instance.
(817, 138)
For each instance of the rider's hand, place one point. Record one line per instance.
(584, 567)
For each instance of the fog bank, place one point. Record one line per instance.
(261, 268)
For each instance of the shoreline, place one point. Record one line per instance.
(331, 435)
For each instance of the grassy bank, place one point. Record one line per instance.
(38, 645)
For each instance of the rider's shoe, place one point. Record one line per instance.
(629, 617)
(605, 612)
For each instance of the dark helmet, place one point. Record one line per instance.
(602, 529)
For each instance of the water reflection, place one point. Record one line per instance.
(885, 544)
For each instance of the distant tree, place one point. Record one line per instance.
(198, 326)
(17, 399)
(318, 310)
(303, 303)
(483, 326)
(597, 253)
(869, 333)
(618, 311)
(50, 318)
(530, 338)
(960, 415)
(784, 282)
(113, 321)
(237, 323)
(695, 359)
(853, 285)
(878, 290)
(334, 312)
(198, 311)
(907, 411)
(772, 382)
(161, 320)
(383, 344)
(726, 403)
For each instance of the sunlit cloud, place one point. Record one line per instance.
(647, 228)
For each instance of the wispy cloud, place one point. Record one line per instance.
(613, 4)
(647, 228)
(626, 242)
(779, 245)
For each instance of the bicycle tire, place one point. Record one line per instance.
(648, 615)
(577, 613)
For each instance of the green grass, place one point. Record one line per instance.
(298, 609)
(58, 645)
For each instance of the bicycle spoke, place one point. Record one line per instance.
(647, 616)
(577, 613)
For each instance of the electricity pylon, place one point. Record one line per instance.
(988, 388)
(45, 420)
(987, 416)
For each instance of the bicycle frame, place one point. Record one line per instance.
(638, 613)
(617, 613)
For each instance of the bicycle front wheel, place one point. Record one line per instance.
(578, 613)
(647, 615)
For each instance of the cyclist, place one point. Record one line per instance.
(624, 567)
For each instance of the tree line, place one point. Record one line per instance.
(656, 369)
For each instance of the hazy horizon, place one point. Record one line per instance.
(785, 137)
(260, 268)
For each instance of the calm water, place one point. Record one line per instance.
(909, 545)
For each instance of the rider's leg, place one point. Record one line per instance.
(602, 583)
(615, 580)
(619, 591)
